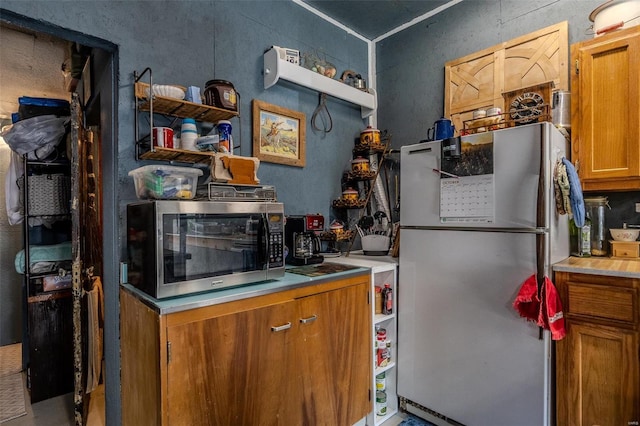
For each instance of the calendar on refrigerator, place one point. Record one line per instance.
(467, 199)
(467, 183)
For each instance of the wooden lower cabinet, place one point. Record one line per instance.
(598, 362)
(297, 357)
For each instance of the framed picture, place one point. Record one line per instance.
(278, 134)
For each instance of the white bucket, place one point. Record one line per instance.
(613, 12)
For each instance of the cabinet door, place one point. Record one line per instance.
(233, 369)
(598, 376)
(334, 356)
(50, 346)
(605, 105)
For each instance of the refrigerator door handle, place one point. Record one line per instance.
(419, 150)
(537, 231)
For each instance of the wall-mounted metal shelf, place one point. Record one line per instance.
(173, 108)
(178, 155)
(179, 108)
(276, 68)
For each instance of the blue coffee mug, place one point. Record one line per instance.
(442, 129)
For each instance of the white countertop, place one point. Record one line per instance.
(215, 297)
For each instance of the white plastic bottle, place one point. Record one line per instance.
(188, 134)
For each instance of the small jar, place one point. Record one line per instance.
(350, 194)
(337, 228)
(381, 403)
(477, 114)
(370, 137)
(220, 94)
(381, 382)
(360, 164)
(495, 113)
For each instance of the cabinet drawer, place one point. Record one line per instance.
(607, 302)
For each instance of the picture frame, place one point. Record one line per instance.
(278, 134)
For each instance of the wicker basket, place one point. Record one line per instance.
(49, 194)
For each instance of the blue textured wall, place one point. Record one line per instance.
(410, 64)
(190, 42)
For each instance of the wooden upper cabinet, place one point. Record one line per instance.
(480, 79)
(605, 110)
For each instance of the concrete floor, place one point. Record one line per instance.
(58, 411)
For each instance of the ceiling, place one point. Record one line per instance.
(31, 66)
(44, 55)
(373, 18)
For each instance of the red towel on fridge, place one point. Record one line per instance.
(527, 302)
(547, 313)
(551, 316)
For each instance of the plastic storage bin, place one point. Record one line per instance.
(165, 182)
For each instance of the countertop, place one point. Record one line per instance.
(628, 268)
(199, 300)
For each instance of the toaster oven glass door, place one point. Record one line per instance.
(203, 245)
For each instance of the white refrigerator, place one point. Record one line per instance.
(473, 229)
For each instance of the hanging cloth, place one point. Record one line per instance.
(575, 194)
(551, 316)
(95, 329)
(561, 189)
(527, 302)
(545, 310)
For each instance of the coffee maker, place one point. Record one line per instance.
(301, 239)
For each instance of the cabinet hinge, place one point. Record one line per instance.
(168, 352)
(577, 66)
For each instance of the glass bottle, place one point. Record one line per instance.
(585, 238)
(580, 238)
(387, 299)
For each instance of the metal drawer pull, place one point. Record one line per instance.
(308, 320)
(281, 327)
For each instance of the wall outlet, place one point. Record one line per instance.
(637, 207)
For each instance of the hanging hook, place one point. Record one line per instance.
(322, 108)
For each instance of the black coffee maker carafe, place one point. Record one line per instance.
(302, 242)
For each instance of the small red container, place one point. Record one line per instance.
(163, 137)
